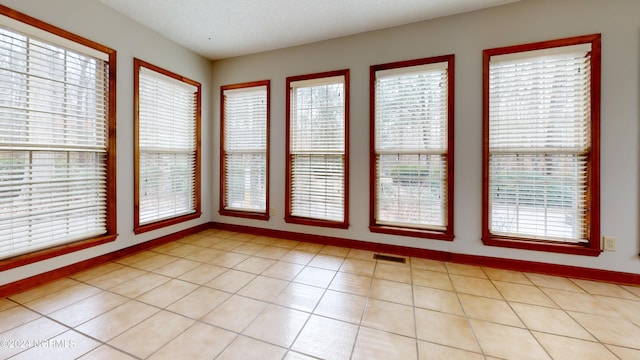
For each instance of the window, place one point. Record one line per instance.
(412, 148)
(244, 160)
(541, 146)
(167, 138)
(57, 141)
(317, 149)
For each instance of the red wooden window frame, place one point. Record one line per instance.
(593, 248)
(289, 218)
(111, 221)
(237, 213)
(137, 227)
(446, 234)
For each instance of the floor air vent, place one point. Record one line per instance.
(390, 258)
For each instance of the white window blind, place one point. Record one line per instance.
(167, 146)
(317, 149)
(411, 117)
(53, 143)
(539, 143)
(245, 149)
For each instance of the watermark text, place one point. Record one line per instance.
(42, 343)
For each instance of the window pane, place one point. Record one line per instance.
(411, 190)
(538, 195)
(246, 182)
(540, 104)
(318, 124)
(411, 112)
(166, 186)
(317, 187)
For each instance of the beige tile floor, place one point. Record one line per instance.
(226, 295)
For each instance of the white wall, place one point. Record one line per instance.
(465, 36)
(93, 20)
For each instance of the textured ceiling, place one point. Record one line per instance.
(225, 28)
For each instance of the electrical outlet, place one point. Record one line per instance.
(609, 243)
(272, 211)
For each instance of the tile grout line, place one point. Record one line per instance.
(530, 331)
(413, 303)
(364, 310)
(464, 311)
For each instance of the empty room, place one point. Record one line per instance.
(282, 179)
